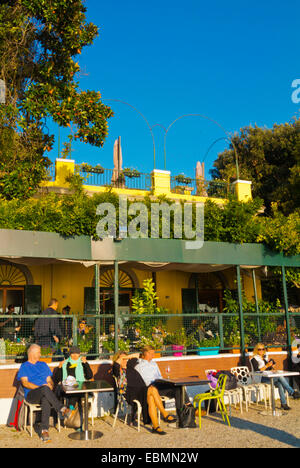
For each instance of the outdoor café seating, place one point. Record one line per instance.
(217, 394)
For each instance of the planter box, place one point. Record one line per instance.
(178, 350)
(208, 351)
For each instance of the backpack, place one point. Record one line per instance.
(17, 417)
(231, 382)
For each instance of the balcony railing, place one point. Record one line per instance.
(199, 187)
(112, 178)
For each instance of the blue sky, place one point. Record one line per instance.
(232, 62)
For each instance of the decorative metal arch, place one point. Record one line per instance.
(127, 278)
(12, 274)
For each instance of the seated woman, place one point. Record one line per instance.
(260, 362)
(77, 367)
(134, 388)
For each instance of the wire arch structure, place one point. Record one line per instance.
(211, 120)
(141, 115)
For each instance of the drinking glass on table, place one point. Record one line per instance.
(168, 370)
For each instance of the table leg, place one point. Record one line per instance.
(86, 434)
(273, 397)
(86, 416)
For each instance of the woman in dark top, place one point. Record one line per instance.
(133, 386)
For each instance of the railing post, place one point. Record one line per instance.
(242, 329)
(74, 331)
(256, 304)
(286, 307)
(116, 300)
(97, 306)
(220, 317)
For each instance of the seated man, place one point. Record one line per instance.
(150, 372)
(35, 377)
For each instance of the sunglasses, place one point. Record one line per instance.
(261, 349)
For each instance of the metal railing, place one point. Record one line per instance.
(112, 178)
(202, 188)
(192, 331)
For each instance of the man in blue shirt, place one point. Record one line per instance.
(36, 378)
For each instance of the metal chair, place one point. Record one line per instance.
(123, 405)
(245, 381)
(234, 396)
(217, 394)
(33, 408)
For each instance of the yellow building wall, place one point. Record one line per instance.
(66, 282)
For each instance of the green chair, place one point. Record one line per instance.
(217, 394)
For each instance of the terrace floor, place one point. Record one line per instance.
(249, 430)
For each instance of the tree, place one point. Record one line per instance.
(39, 42)
(270, 158)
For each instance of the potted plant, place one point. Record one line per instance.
(98, 169)
(46, 354)
(84, 344)
(131, 173)
(209, 346)
(182, 179)
(178, 341)
(155, 343)
(109, 346)
(13, 349)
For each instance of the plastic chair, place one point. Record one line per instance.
(245, 381)
(32, 408)
(217, 394)
(123, 405)
(234, 396)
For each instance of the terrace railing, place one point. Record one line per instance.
(111, 178)
(199, 187)
(222, 330)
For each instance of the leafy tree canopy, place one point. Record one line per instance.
(39, 42)
(270, 158)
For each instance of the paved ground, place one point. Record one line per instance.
(252, 430)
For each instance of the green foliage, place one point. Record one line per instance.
(281, 233)
(179, 337)
(123, 345)
(270, 158)
(209, 343)
(75, 214)
(145, 303)
(39, 42)
(84, 344)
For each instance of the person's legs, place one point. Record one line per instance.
(278, 385)
(286, 385)
(152, 409)
(152, 391)
(45, 397)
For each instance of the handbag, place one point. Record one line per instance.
(74, 420)
(187, 416)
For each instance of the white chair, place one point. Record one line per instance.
(123, 405)
(234, 396)
(33, 408)
(245, 381)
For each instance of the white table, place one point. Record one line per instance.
(272, 375)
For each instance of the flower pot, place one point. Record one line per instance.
(208, 351)
(47, 359)
(178, 350)
(272, 350)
